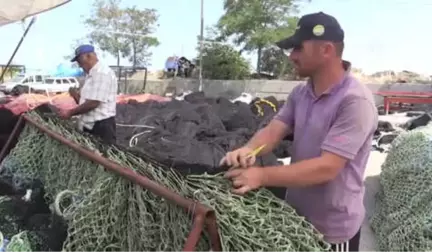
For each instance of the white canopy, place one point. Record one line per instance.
(16, 10)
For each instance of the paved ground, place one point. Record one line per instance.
(367, 242)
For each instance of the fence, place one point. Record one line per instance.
(233, 88)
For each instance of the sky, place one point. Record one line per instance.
(379, 35)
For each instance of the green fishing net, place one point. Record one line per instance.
(106, 212)
(19, 243)
(402, 220)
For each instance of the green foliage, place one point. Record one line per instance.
(12, 71)
(141, 21)
(107, 16)
(74, 45)
(256, 24)
(274, 61)
(223, 62)
(123, 32)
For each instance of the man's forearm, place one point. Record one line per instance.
(260, 138)
(304, 173)
(86, 107)
(270, 135)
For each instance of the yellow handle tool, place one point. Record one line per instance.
(256, 151)
(252, 153)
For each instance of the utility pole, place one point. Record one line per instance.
(16, 49)
(201, 46)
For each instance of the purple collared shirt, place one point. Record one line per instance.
(341, 121)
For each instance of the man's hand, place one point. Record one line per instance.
(268, 137)
(245, 180)
(65, 114)
(74, 92)
(239, 158)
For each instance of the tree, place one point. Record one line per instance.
(142, 21)
(123, 32)
(223, 62)
(106, 25)
(73, 47)
(274, 61)
(255, 24)
(12, 70)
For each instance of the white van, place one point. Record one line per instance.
(56, 84)
(23, 80)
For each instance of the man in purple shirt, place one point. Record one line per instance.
(333, 118)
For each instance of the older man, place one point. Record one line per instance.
(333, 118)
(97, 97)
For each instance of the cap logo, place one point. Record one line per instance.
(318, 30)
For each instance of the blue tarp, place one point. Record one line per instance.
(67, 71)
(171, 62)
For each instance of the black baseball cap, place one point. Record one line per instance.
(315, 26)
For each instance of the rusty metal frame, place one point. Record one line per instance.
(204, 217)
(404, 94)
(403, 99)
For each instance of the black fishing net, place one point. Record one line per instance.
(25, 216)
(193, 135)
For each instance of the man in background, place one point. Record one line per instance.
(96, 100)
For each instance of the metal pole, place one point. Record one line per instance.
(201, 45)
(16, 49)
(145, 80)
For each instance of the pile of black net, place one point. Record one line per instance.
(194, 134)
(26, 219)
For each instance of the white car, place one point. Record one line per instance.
(56, 84)
(22, 80)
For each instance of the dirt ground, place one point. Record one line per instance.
(373, 169)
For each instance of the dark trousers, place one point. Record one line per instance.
(352, 245)
(105, 130)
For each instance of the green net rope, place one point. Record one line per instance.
(402, 220)
(19, 243)
(110, 213)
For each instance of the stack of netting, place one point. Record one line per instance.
(18, 243)
(109, 213)
(403, 217)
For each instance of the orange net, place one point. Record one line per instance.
(27, 102)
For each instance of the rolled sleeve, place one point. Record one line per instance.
(286, 113)
(354, 124)
(98, 88)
